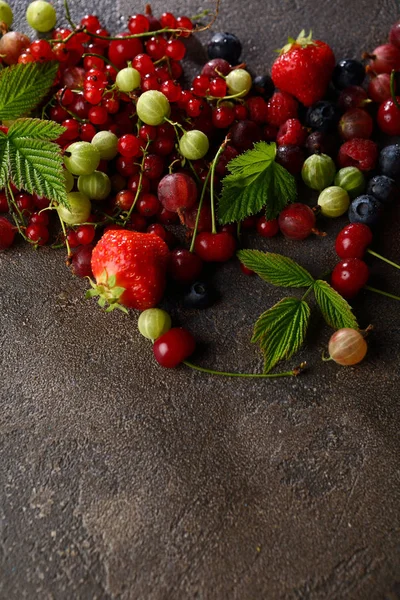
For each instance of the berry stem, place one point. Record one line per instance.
(139, 187)
(386, 260)
(381, 292)
(212, 171)
(15, 211)
(392, 90)
(292, 373)
(68, 15)
(106, 60)
(69, 253)
(196, 225)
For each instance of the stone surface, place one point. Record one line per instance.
(119, 480)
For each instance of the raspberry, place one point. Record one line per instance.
(359, 153)
(292, 132)
(281, 107)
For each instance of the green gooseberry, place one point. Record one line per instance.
(152, 107)
(6, 13)
(128, 79)
(69, 180)
(77, 210)
(334, 201)
(41, 16)
(97, 185)
(318, 171)
(194, 144)
(239, 82)
(81, 158)
(153, 323)
(106, 143)
(352, 180)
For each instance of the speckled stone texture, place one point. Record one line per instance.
(120, 480)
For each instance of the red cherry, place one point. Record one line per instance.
(7, 233)
(215, 247)
(349, 276)
(37, 233)
(174, 347)
(267, 228)
(184, 266)
(388, 117)
(353, 240)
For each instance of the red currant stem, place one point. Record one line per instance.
(73, 115)
(196, 225)
(392, 90)
(15, 211)
(107, 60)
(212, 170)
(176, 126)
(386, 260)
(232, 97)
(381, 292)
(318, 232)
(201, 15)
(68, 14)
(292, 373)
(139, 187)
(195, 175)
(69, 253)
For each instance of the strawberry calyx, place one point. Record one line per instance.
(108, 291)
(302, 41)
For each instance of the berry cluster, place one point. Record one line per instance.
(141, 153)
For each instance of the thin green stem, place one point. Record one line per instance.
(308, 291)
(386, 260)
(292, 373)
(139, 188)
(15, 211)
(213, 165)
(106, 60)
(68, 14)
(392, 90)
(381, 292)
(195, 175)
(69, 253)
(196, 225)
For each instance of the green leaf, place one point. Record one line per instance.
(255, 181)
(32, 162)
(35, 128)
(3, 159)
(23, 87)
(276, 269)
(335, 310)
(280, 331)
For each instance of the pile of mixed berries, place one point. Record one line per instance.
(144, 157)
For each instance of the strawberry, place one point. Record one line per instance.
(304, 68)
(129, 268)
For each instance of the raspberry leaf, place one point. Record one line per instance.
(255, 181)
(23, 87)
(276, 269)
(335, 310)
(280, 331)
(31, 161)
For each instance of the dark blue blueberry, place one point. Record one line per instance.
(201, 294)
(323, 116)
(348, 72)
(383, 188)
(226, 46)
(263, 86)
(389, 161)
(365, 209)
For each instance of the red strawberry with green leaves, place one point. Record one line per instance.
(304, 68)
(130, 269)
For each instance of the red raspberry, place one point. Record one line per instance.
(359, 153)
(292, 132)
(281, 107)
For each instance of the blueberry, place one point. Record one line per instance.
(383, 188)
(389, 161)
(226, 46)
(365, 209)
(323, 116)
(263, 86)
(348, 72)
(201, 294)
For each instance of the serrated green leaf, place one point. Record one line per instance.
(37, 167)
(276, 269)
(37, 129)
(335, 310)
(284, 190)
(23, 87)
(280, 331)
(255, 181)
(3, 159)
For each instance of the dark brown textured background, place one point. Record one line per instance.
(120, 480)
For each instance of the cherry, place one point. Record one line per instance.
(388, 117)
(184, 266)
(174, 347)
(267, 228)
(353, 240)
(81, 261)
(85, 234)
(148, 205)
(7, 233)
(349, 276)
(215, 247)
(37, 233)
(39, 218)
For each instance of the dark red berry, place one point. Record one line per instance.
(174, 347)
(267, 228)
(359, 153)
(215, 247)
(349, 276)
(184, 266)
(7, 233)
(353, 240)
